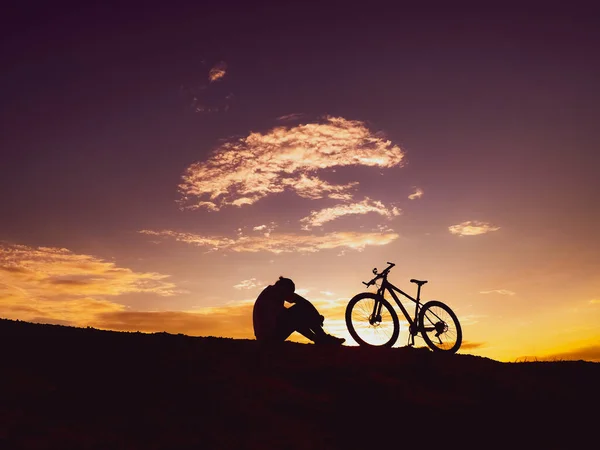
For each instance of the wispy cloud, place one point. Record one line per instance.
(265, 229)
(55, 285)
(417, 194)
(47, 271)
(468, 345)
(291, 117)
(594, 301)
(498, 291)
(248, 284)
(318, 218)
(280, 242)
(241, 172)
(472, 228)
(217, 72)
(233, 320)
(207, 97)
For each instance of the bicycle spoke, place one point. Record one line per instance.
(370, 328)
(440, 327)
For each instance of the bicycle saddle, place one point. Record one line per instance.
(419, 282)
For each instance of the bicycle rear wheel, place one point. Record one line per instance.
(440, 327)
(372, 321)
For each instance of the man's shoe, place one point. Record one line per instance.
(328, 339)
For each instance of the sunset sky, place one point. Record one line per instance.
(159, 167)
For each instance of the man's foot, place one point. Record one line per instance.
(328, 339)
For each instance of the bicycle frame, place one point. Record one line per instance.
(414, 326)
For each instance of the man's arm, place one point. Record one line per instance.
(297, 299)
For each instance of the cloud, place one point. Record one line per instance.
(217, 72)
(472, 228)
(318, 218)
(267, 229)
(233, 320)
(211, 97)
(281, 242)
(594, 301)
(468, 345)
(49, 272)
(291, 117)
(75, 312)
(56, 285)
(248, 284)
(498, 291)
(243, 171)
(417, 194)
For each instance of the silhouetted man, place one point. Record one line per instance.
(273, 322)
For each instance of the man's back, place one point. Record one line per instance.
(267, 308)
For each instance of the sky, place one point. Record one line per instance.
(161, 166)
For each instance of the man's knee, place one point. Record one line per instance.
(307, 313)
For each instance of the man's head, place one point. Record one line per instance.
(286, 286)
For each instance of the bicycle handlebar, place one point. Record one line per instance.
(380, 275)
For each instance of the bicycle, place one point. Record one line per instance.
(372, 321)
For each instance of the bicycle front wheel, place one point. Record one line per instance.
(440, 327)
(372, 321)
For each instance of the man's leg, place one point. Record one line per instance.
(305, 319)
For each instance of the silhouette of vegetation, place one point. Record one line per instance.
(64, 387)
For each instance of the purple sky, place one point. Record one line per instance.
(495, 108)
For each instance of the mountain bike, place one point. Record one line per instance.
(372, 321)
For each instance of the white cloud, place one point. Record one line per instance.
(241, 172)
(472, 228)
(55, 285)
(217, 72)
(248, 284)
(280, 242)
(318, 218)
(498, 291)
(48, 271)
(417, 194)
(266, 229)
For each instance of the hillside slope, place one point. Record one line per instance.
(63, 387)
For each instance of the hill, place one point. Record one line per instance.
(64, 387)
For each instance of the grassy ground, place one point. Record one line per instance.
(63, 387)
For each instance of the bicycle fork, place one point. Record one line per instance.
(376, 316)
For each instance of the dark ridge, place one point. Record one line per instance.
(64, 387)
